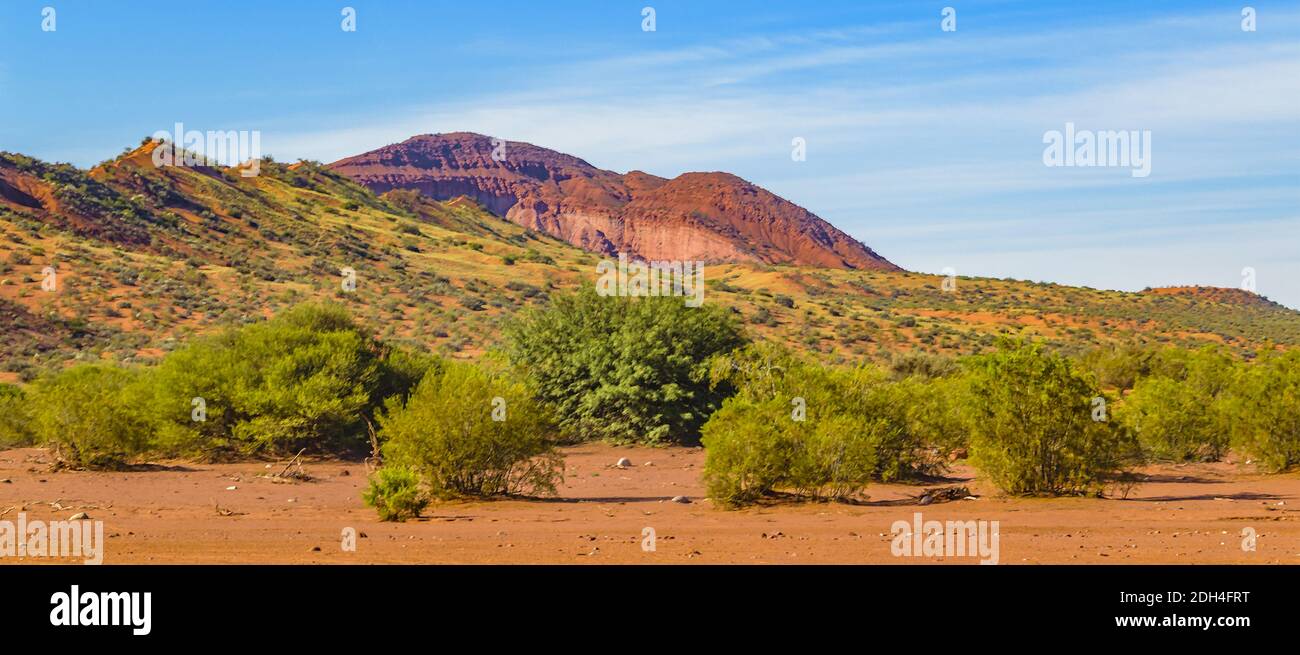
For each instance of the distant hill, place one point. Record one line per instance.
(714, 217)
(1225, 295)
(147, 257)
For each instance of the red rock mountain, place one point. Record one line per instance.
(694, 216)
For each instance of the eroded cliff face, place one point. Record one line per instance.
(695, 216)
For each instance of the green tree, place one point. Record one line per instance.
(625, 369)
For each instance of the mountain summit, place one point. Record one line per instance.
(695, 216)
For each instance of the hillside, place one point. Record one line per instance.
(146, 257)
(714, 217)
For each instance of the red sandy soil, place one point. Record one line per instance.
(174, 514)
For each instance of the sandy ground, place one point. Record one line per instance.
(185, 513)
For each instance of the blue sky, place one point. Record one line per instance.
(926, 145)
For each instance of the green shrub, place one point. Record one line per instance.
(936, 417)
(89, 416)
(308, 378)
(1265, 411)
(395, 494)
(923, 365)
(401, 370)
(1173, 421)
(15, 421)
(1183, 418)
(749, 449)
(625, 369)
(818, 432)
(447, 433)
(305, 379)
(1032, 425)
(1119, 367)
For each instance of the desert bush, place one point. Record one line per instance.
(1265, 411)
(309, 378)
(1118, 367)
(400, 371)
(1032, 424)
(935, 408)
(1186, 417)
(15, 419)
(466, 433)
(819, 432)
(395, 493)
(920, 364)
(750, 450)
(625, 369)
(89, 416)
(1121, 366)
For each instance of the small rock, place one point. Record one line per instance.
(623, 463)
(681, 499)
(79, 516)
(315, 549)
(231, 488)
(345, 473)
(927, 499)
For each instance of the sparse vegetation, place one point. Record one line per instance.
(169, 273)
